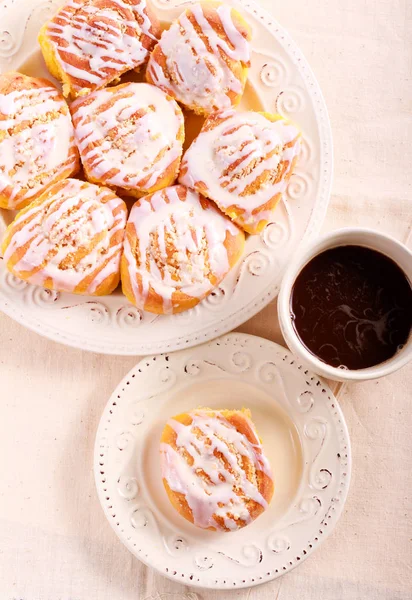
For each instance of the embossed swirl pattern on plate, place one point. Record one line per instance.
(272, 546)
(282, 81)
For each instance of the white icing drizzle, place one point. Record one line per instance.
(187, 251)
(215, 494)
(94, 43)
(78, 216)
(36, 142)
(242, 149)
(194, 74)
(127, 136)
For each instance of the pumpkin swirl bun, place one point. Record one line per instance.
(243, 161)
(36, 139)
(70, 239)
(130, 137)
(214, 469)
(90, 43)
(202, 59)
(177, 248)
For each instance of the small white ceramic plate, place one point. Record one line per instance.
(280, 80)
(303, 433)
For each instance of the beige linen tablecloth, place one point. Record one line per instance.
(55, 543)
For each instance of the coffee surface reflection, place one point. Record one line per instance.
(352, 307)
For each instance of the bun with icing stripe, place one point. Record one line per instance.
(202, 59)
(130, 137)
(90, 43)
(214, 469)
(70, 239)
(243, 161)
(36, 139)
(177, 248)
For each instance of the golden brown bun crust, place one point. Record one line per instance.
(241, 421)
(128, 17)
(254, 222)
(152, 300)
(239, 68)
(30, 228)
(13, 81)
(101, 164)
(18, 191)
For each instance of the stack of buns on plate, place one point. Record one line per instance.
(70, 159)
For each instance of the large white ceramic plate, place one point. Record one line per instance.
(279, 80)
(304, 436)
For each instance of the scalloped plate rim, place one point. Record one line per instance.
(277, 348)
(103, 344)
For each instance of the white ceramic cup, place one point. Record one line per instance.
(342, 237)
